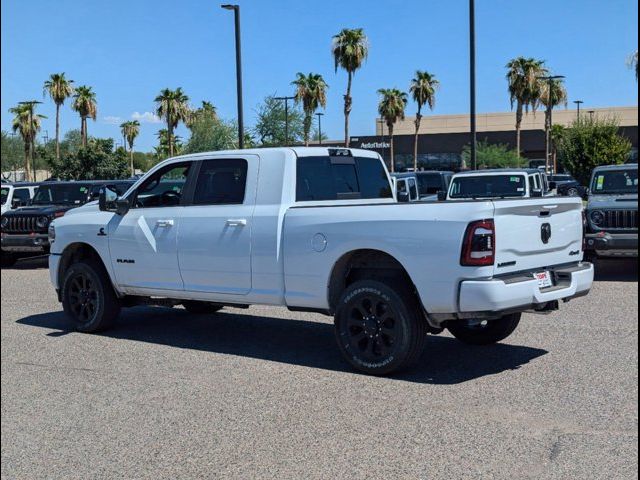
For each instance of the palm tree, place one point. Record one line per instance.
(162, 150)
(27, 123)
(84, 102)
(423, 90)
(350, 48)
(173, 106)
(130, 130)
(311, 91)
(206, 111)
(524, 87)
(59, 89)
(391, 109)
(552, 94)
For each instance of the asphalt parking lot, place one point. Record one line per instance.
(264, 393)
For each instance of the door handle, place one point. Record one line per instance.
(164, 223)
(237, 222)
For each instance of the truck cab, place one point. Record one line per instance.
(15, 195)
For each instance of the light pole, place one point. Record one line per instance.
(591, 112)
(32, 138)
(319, 115)
(236, 15)
(286, 117)
(472, 82)
(578, 103)
(549, 79)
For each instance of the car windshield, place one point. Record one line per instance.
(615, 181)
(488, 186)
(5, 194)
(429, 183)
(61, 194)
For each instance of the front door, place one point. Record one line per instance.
(214, 240)
(143, 242)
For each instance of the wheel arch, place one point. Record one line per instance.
(362, 264)
(76, 252)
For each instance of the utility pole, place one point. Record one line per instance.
(319, 115)
(286, 117)
(472, 83)
(578, 102)
(236, 16)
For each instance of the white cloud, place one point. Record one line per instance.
(112, 120)
(146, 117)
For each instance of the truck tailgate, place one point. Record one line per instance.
(537, 233)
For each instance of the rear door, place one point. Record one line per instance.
(214, 240)
(537, 233)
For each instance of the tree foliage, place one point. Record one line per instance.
(12, 152)
(270, 126)
(311, 92)
(209, 133)
(589, 143)
(493, 155)
(97, 161)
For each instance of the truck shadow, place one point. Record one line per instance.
(616, 270)
(298, 342)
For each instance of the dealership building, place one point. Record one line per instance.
(442, 138)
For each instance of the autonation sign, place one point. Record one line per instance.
(371, 145)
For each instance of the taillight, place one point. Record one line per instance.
(479, 247)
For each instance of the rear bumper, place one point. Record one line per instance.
(613, 244)
(28, 243)
(521, 291)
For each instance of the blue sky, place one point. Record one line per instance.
(128, 50)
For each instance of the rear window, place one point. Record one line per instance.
(341, 178)
(488, 186)
(429, 183)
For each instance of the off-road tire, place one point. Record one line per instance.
(88, 297)
(379, 328)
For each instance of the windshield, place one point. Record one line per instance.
(63, 194)
(488, 186)
(5, 194)
(429, 183)
(615, 181)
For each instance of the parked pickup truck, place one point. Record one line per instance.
(612, 212)
(498, 183)
(318, 229)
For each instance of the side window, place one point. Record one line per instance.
(22, 194)
(164, 188)
(221, 182)
(402, 185)
(413, 189)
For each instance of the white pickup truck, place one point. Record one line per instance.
(318, 229)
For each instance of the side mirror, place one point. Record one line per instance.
(442, 196)
(536, 193)
(108, 200)
(403, 197)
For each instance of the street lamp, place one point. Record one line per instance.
(236, 15)
(472, 82)
(286, 117)
(549, 79)
(578, 102)
(32, 136)
(319, 115)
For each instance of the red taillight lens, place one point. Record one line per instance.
(479, 247)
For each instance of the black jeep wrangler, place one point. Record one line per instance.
(24, 231)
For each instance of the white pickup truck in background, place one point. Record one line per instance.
(318, 229)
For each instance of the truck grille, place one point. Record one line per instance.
(621, 219)
(21, 224)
